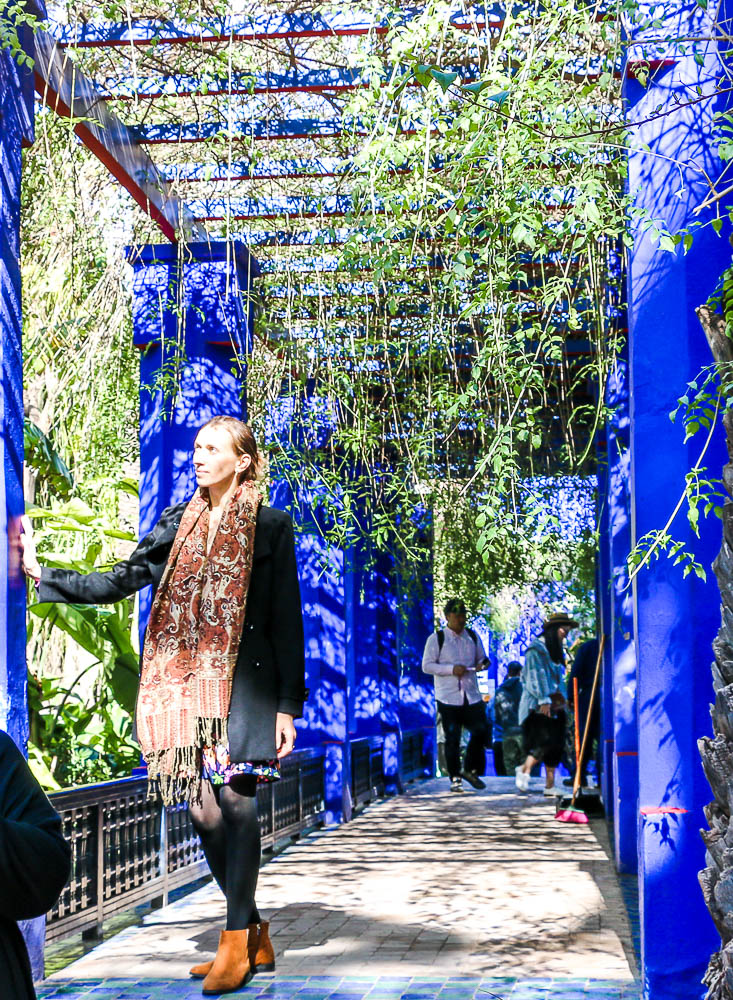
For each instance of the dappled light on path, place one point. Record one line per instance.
(484, 885)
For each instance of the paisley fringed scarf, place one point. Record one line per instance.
(192, 641)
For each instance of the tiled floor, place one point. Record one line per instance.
(423, 896)
(273, 987)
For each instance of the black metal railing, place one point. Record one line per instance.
(417, 758)
(367, 769)
(127, 849)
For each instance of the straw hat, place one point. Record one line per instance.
(560, 619)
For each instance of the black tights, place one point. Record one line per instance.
(226, 821)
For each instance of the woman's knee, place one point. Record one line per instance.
(205, 819)
(237, 801)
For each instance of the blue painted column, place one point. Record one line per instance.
(192, 323)
(416, 622)
(603, 599)
(620, 631)
(328, 591)
(675, 619)
(388, 654)
(16, 131)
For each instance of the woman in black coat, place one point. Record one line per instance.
(35, 861)
(222, 668)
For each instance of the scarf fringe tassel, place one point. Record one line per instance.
(175, 774)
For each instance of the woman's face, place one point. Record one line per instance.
(215, 461)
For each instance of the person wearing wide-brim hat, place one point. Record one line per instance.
(542, 706)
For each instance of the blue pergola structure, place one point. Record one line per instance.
(363, 659)
(192, 300)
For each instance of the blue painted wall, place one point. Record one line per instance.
(365, 623)
(675, 620)
(603, 601)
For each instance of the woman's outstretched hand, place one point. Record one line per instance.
(284, 734)
(31, 566)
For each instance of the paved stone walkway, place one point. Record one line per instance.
(428, 895)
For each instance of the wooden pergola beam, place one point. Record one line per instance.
(63, 87)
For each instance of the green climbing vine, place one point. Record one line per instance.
(441, 301)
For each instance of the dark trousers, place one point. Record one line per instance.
(499, 766)
(473, 718)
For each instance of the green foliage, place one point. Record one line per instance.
(702, 494)
(16, 22)
(488, 202)
(41, 456)
(84, 732)
(81, 368)
(74, 743)
(81, 390)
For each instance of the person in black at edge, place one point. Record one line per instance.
(35, 862)
(584, 668)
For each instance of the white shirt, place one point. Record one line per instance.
(456, 649)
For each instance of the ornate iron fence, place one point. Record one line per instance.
(367, 769)
(127, 849)
(417, 754)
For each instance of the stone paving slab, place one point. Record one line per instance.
(415, 891)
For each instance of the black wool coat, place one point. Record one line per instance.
(269, 676)
(35, 863)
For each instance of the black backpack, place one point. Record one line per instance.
(441, 638)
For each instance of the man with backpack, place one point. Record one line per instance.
(506, 717)
(453, 655)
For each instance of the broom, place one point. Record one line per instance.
(571, 814)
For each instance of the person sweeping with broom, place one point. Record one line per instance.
(222, 668)
(572, 811)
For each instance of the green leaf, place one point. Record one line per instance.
(666, 243)
(422, 74)
(476, 88)
(500, 98)
(717, 225)
(445, 80)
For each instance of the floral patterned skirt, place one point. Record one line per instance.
(218, 768)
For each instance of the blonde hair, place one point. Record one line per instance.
(243, 440)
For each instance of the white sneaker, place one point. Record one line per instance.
(553, 791)
(456, 785)
(521, 779)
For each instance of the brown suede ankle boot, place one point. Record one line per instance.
(230, 969)
(261, 952)
(201, 971)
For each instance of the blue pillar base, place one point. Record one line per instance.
(676, 931)
(625, 811)
(337, 783)
(392, 762)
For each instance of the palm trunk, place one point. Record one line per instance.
(717, 753)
